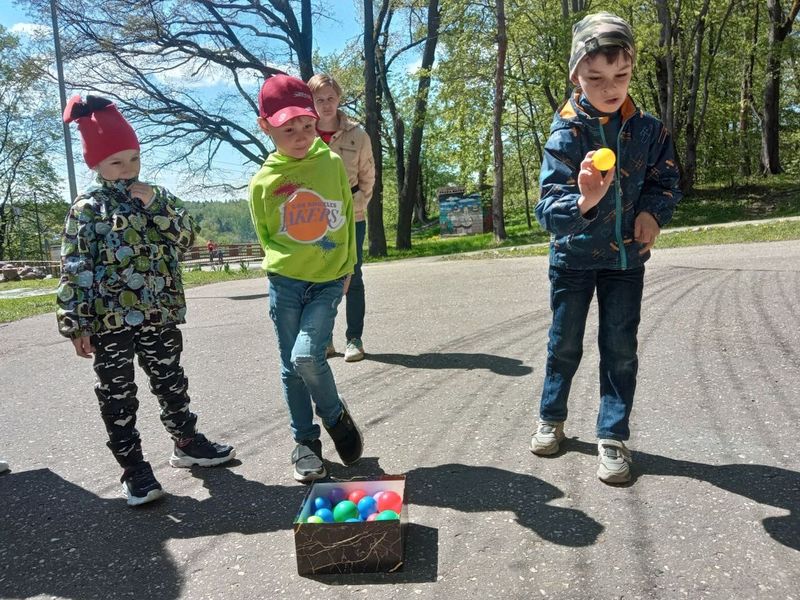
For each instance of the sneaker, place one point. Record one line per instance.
(3, 466)
(354, 351)
(547, 438)
(330, 351)
(198, 450)
(615, 460)
(346, 437)
(307, 461)
(139, 484)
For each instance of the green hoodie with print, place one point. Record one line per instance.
(302, 211)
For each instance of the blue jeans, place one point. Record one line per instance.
(619, 300)
(303, 314)
(356, 305)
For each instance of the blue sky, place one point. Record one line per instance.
(330, 34)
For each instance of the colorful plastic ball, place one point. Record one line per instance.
(356, 495)
(390, 500)
(604, 159)
(314, 519)
(325, 514)
(372, 517)
(354, 521)
(345, 510)
(321, 502)
(336, 495)
(367, 506)
(387, 515)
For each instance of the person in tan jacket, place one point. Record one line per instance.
(347, 139)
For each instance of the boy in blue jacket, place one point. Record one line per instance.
(602, 226)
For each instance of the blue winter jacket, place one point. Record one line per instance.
(646, 180)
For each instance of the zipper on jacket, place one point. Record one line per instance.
(623, 254)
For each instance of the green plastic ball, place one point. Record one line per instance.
(387, 515)
(345, 510)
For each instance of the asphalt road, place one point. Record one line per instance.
(447, 397)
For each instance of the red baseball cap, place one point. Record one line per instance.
(283, 97)
(104, 131)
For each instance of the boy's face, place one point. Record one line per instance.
(604, 83)
(326, 101)
(121, 165)
(294, 137)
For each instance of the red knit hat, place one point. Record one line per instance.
(283, 97)
(104, 131)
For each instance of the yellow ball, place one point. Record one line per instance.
(604, 159)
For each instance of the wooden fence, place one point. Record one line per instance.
(231, 253)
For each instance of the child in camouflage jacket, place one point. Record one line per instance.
(121, 294)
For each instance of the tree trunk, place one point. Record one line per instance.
(690, 161)
(377, 234)
(665, 67)
(780, 27)
(746, 103)
(409, 189)
(498, 213)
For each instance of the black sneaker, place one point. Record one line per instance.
(307, 461)
(140, 485)
(346, 437)
(198, 450)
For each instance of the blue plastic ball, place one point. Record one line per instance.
(321, 502)
(325, 514)
(366, 506)
(354, 521)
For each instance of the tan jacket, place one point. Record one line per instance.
(353, 144)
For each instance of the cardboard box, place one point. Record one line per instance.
(366, 547)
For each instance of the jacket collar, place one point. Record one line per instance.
(345, 123)
(120, 185)
(572, 109)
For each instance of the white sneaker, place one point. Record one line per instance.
(354, 350)
(547, 438)
(615, 460)
(3, 466)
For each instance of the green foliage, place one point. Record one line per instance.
(31, 214)
(223, 222)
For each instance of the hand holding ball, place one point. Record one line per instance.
(604, 159)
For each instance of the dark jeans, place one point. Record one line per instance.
(159, 352)
(356, 306)
(619, 299)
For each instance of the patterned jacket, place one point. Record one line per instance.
(646, 180)
(119, 261)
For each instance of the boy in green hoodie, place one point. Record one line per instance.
(302, 211)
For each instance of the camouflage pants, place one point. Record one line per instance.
(159, 352)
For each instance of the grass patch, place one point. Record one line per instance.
(751, 201)
(14, 309)
(197, 278)
(773, 231)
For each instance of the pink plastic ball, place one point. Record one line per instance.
(372, 517)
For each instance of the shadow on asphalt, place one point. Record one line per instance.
(248, 297)
(57, 539)
(764, 484)
(501, 365)
(470, 489)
